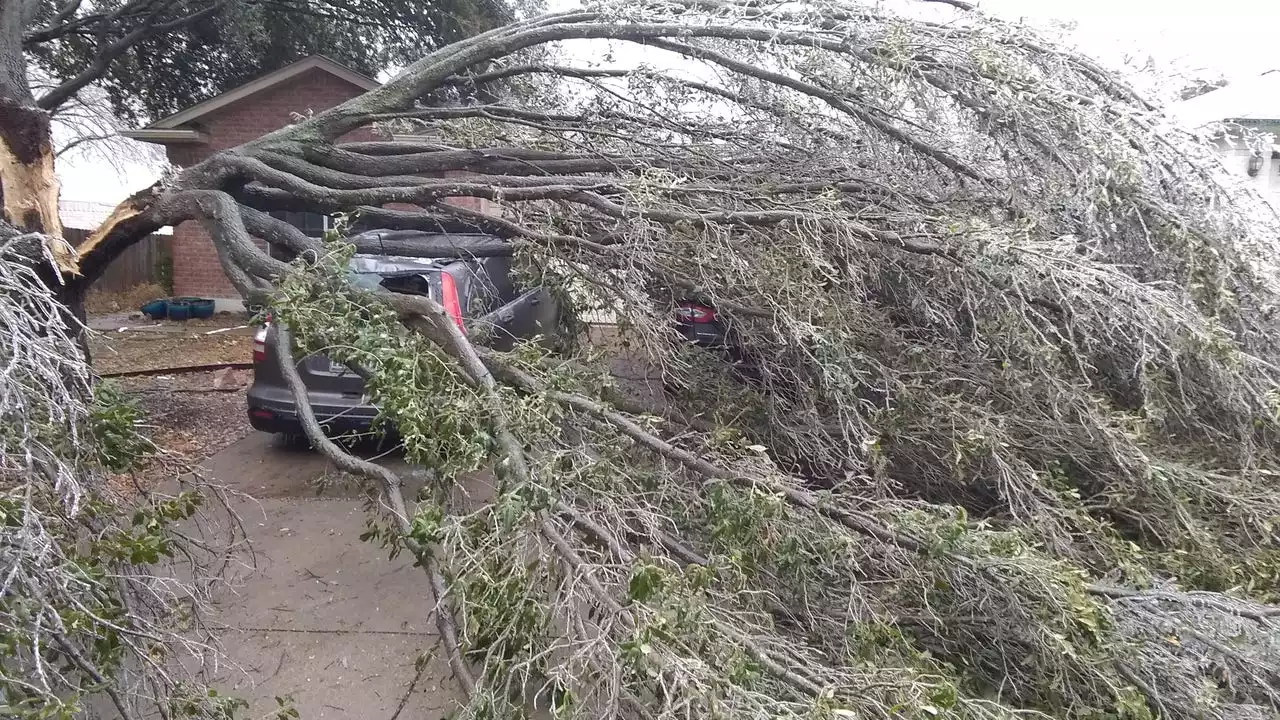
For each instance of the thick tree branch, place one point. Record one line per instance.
(492, 161)
(128, 223)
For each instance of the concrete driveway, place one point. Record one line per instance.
(321, 616)
(324, 617)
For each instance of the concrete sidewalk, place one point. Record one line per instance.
(322, 617)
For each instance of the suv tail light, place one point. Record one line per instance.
(692, 312)
(449, 299)
(260, 341)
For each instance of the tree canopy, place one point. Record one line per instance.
(1012, 441)
(187, 51)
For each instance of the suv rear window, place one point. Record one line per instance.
(405, 275)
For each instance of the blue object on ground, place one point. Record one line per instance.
(201, 308)
(179, 310)
(156, 309)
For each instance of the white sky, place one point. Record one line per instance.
(1234, 38)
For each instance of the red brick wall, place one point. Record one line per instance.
(471, 203)
(196, 270)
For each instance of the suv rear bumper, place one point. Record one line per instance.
(273, 410)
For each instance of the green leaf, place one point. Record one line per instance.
(646, 582)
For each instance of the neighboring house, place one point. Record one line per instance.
(81, 215)
(1250, 113)
(236, 117)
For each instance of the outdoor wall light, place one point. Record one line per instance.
(1255, 165)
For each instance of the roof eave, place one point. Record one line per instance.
(167, 136)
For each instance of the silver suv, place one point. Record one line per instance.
(470, 275)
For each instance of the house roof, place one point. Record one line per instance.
(87, 215)
(83, 215)
(1256, 98)
(171, 130)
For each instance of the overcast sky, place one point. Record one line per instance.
(1234, 38)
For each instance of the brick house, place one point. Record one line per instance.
(235, 117)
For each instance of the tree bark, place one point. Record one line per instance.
(26, 170)
(27, 183)
(28, 186)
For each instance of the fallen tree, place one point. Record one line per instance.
(1010, 449)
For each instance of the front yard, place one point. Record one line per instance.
(188, 415)
(123, 343)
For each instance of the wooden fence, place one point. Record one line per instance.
(139, 264)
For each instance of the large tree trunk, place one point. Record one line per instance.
(29, 192)
(26, 169)
(29, 197)
(27, 180)
(28, 185)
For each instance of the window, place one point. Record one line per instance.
(311, 224)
